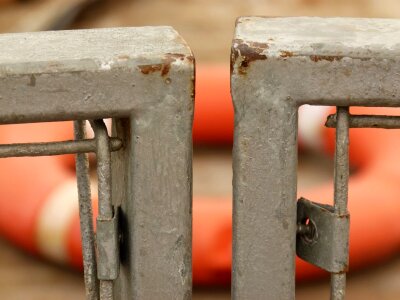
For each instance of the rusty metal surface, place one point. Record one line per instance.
(279, 64)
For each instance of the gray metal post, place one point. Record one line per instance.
(264, 216)
(264, 181)
(154, 194)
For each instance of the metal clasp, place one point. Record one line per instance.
(322, 238)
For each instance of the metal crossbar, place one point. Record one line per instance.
(367, 121)
(278, 65)
(54, 148)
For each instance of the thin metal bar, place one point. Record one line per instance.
(103, 154)
(341, 177)
(106, 290)
(54, 148)
(86, 217)
(367, 121)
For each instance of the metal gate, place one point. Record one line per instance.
(142, 78)
(279, 64)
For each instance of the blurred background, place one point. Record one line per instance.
(207, 26)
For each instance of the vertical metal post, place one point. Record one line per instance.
(103, 155)
(264, 192)
(153, 187)
(86, 217)
(341, 178)
(157, 212)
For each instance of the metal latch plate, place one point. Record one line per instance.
(108, 247)
(327, 243)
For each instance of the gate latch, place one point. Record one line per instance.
(322, 236)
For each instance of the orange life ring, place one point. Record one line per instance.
(39, 207)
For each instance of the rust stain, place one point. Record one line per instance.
(248, 53)
(165, 69)
(331, 58)
(168, 60)
(193, 81)
(175, 56)
(190, 58)
(148, 69)
(165, 66)
(286, 54)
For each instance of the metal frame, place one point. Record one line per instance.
(143, 79)
(279, 64)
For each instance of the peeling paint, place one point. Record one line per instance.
(286, 54)
(317, 58)
(148, 69)
(247, 52)
(165, 66)
(106, 65)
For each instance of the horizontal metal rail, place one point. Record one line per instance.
(54, 148)
(367, 121)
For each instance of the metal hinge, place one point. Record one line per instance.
(322, 236)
